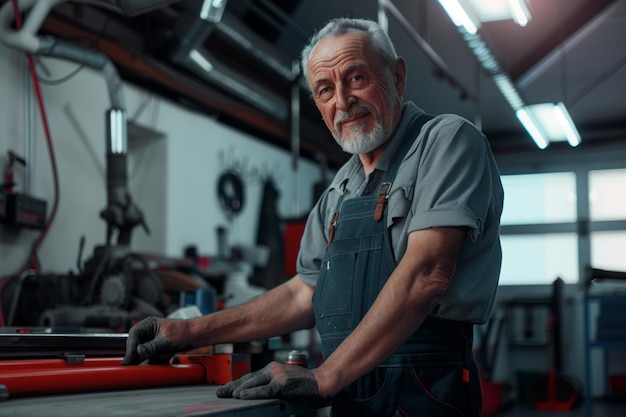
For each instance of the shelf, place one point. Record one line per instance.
(611, 305)
(617, 344)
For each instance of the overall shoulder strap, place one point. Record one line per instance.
(408, 140)
(394, 164)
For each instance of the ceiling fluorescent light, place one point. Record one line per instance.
(509, 91)
(554, 122)
(459, 15)
(212, 10)
(520, 12)
(567, 124)
(531, 127)
(200, 60)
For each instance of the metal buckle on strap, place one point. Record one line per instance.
(381, 201)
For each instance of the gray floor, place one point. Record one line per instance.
(599, 409)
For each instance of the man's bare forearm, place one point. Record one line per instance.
(282, 310)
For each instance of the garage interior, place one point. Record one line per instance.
(227, 154)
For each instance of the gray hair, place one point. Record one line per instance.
(341, 26)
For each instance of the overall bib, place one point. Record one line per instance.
(434, 372)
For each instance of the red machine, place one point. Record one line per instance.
(39, 374)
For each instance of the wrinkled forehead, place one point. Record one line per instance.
(335, 49)
(331, 43)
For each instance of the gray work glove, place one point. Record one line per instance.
(276, 380)
(156, 339)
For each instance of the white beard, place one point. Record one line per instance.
(361, 141)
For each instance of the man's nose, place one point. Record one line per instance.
(344, 99)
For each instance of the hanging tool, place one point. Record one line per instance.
(9, 178)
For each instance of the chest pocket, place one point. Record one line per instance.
(400, 200)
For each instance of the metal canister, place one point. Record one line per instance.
(298, 358)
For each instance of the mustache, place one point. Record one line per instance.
(354, 111)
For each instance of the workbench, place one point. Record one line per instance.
(188, 400)
(80, 375)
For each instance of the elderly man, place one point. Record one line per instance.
(399, 259)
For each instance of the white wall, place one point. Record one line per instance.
(174, 164)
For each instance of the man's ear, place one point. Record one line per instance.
(399, 72)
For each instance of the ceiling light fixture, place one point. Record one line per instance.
(549, 122)
(531, 127)
(508, 90)
(567, 124)
(544, 122)
(519, 12)
(460, 15)
(212, 10)
(197, 57)
(493, 10)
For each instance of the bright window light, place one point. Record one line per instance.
(539, 198)
(538, 259)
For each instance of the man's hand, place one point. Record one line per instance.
(156, 339)
(276, 380)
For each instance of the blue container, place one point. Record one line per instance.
(204, 298)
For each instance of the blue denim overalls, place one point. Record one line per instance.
(434, 372)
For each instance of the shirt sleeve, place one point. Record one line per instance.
(453, 184)
(313, 243)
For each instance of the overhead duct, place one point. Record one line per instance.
(205, 65)
(185, 47)
(254, 45)
(133, 7)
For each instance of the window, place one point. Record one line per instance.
(539, 198)
(607, 212)
(608, 250)
(607, 194)
(541, 225)
(539, 259)
(539, 242)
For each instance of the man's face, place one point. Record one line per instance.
(356, 95)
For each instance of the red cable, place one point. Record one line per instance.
(431, 395)
(32, 258)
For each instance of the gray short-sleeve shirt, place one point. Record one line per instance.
(447, 178)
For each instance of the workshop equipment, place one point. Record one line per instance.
(37, 362)
(75, 373)
(555, 391)
(18, 209)
(599, 275)
(108, 272)
(486, 352)
(54, 376)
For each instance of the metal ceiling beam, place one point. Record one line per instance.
(593, 14)
(441, 67)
